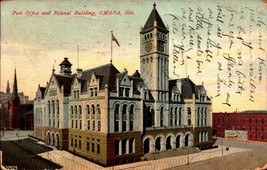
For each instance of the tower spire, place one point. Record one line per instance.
(15, 87)
(7, 87)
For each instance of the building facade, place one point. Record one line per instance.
(254, 123)
(113, 117)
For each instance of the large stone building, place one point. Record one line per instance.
(113, 117)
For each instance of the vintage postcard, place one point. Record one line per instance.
(133, 84)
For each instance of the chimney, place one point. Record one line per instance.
(79, 72)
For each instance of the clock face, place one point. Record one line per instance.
(160, 46)
(148, 46)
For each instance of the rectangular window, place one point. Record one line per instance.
(80, 144)
(121, 91)
(127, 92)
(93, 125)
(92, 92)
(93, 147)
(131, 144)
(75, 143)
(98, 149)
(76, 122)
(80, 124)
(116, 126)
(124, 126)
(95, 91)
(123, 148)
(88, 124)
(88, 146)
(131, 125)
(117, 145)
(99, 126)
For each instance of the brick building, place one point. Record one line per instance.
(252, 121)
(113, 117)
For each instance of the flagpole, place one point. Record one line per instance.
(111, 47)
(78, 56)
(186, 66)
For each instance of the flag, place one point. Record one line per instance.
(114, 39)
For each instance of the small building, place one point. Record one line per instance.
(254, 122)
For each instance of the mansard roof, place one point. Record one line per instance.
(64, 81)
(105, 73)
(188, 88)
(154, 16)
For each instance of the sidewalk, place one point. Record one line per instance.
(71, 162)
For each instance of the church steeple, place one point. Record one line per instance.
(7, 87)
(15, 95)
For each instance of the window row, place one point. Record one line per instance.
(76, 94)
(74, 110)
(53, 107)
(124, 117)
(203, 136)
(93, 92)
(202, 116)
(175, 118)
(124, 92)
(91, 125)
(124, 146)
(53, 122)
(256, 137)
(245, 120)
(90, 145)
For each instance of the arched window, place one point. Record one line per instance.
(75, 110)
(175, 116)
(206, 117)
(170, 118)
(93, 109)
(57, 107)
(202, 116)
(98, 109)
(88, 110)
(53, 107)
(198, 116)
(71, 111)
(80, 109)
(116, 118)
(180, 116)
(124, 117)
(188, 116)
(131, 117)
(161, 117)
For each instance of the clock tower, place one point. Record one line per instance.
(154, 56)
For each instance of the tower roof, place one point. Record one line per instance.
(65, 62)
(15, 95)
(154, 16)
(7, 87)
